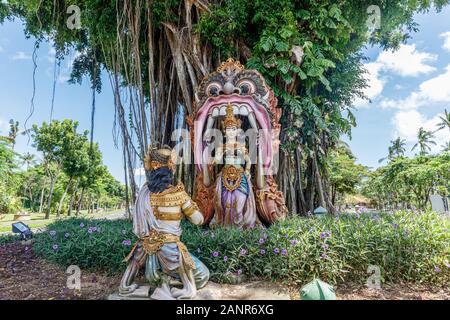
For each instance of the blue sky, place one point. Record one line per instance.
(409, 89)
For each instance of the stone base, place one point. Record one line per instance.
(257, 290)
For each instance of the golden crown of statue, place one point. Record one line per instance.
(231, 65)
(157, 158)
(230, 120)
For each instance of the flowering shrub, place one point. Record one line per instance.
(405, 246)
(92, 244)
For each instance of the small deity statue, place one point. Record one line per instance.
(159, 209)
(234, 198)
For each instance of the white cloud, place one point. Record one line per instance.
(446, 36)
(20, 55)
(407, 61)
(4, 127)
(434, 90)
(407, 124)
(51, 55)
(375, 83)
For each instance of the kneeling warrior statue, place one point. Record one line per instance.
(159, 209)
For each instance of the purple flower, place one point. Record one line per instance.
(90, 230)
(55, 247)
(26, 248)
(437, 269)
(261, 241)
(323, 235)
(395, 226)
(325, 246)
(294, 242)
(286, 236)
(447, 264)
(324, 256)
(239, 272)
(94, 229)
(66, 235)
(126, 243)
(284, 252)
(225, 258)
(215, 254)
(82, 225)
(276, 251)
(243, 252)
(262, 251)
(52, 233)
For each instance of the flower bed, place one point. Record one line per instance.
(404, 246)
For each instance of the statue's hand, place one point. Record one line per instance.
(207, 137)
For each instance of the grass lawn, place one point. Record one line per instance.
(38, 219)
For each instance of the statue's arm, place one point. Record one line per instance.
(259, 162)
(191, 211)
(205, 156)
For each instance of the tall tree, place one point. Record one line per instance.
(445, 121)
(424, 140)
(156, 52)
(396, 149)
(52, 140)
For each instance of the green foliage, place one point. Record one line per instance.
(80, 244)
(406, 246)
(409, 181)
(344, 174)
(9, 203)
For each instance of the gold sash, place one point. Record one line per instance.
(152, 243)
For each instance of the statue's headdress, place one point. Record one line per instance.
(158, 158)
(230, 120)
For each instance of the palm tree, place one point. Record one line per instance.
(424, 139)
(28, 159)
(397, 149)
(445, 121)
(446, 147)
(13, 131)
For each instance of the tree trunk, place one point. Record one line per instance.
(50, 197)
(299, 177)
(80, 201)
(72, 197)
(41, 200)
(58, 213)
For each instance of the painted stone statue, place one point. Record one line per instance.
(236, 101)
(159, 209)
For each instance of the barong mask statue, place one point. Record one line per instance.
(233, 100)
(159, 209)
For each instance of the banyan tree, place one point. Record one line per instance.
(156, 53)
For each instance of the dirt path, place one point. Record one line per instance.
(23, 275)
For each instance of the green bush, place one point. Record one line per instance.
(405, 246)
(89, 243)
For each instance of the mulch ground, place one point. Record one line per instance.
(25, 276)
